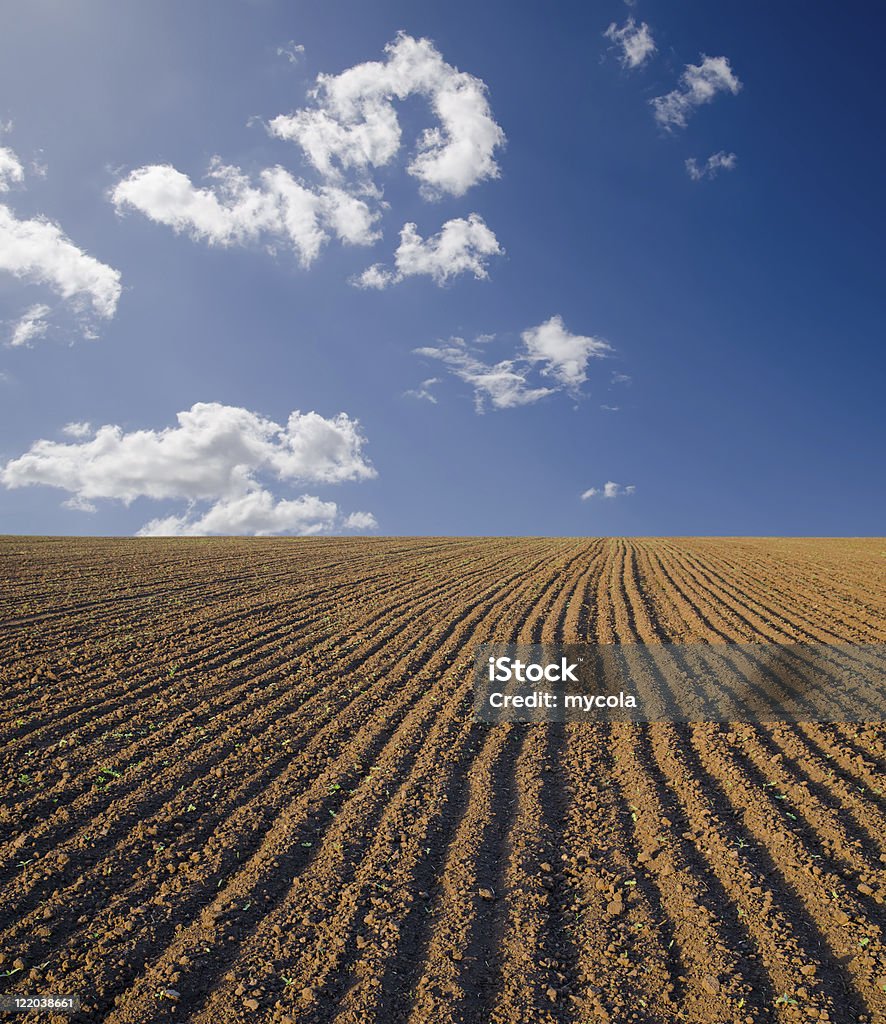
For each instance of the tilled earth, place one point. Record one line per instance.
(241, 782)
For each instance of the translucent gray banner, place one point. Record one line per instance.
(680, 683)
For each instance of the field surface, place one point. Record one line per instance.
(241, 782)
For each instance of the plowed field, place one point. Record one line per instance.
(241, 782)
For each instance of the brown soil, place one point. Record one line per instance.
(241, 782)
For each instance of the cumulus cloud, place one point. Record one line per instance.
(353, 123)
(460, 247)
(360, 521)
(699, 84)
(234, 211)
(217, 454)
(38, 252)
(32, 324)
(564, 356)
(11, 170)
(549, 351)
(609, 490)
(721, 161)
(635, 42)
(349, 129)
(258, 513)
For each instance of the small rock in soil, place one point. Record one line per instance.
(710, 984)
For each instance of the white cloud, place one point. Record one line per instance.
(31, 325)
(461, 246)
(423, 391)
(609, 490)
(375, 276)
(635, 41)
(216, 453)
(233, 211)
(503, 384)
(549, 351)
(257, 513)
(563, 356)
(38, 252)
(353, 124)
(292, 51)
(78, 504)
(699, 84)
(77, 430)
(721, 161)
(360, 521)
(11, 170)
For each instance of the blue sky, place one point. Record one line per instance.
(741, 392)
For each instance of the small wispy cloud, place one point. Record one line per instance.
(551, 359)
(504, 385)
(31, 325)
(609, 490)
(78, 430)
(634, 41)
(699, 84)
(720, 161)
(292, 51)
(423, 391)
